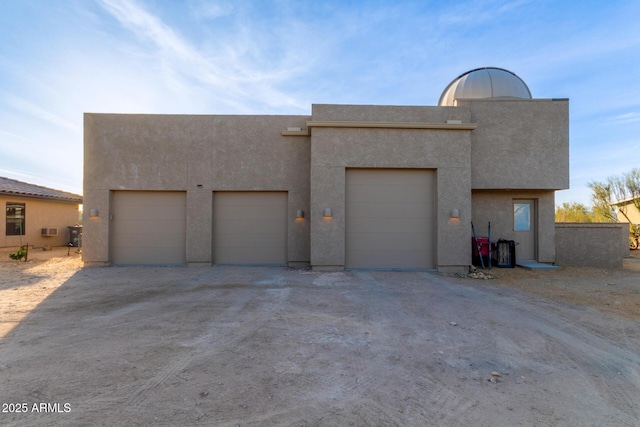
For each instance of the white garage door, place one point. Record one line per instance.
(149, 227)
(390, 218)
(250, 227)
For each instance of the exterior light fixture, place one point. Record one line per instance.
(455, 214)
(93, 213)
(300, 214)
(327, 213)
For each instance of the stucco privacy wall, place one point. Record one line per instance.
(519, 144)
(333, 150)
(497, 207)
(40, 214)
(199, 155)
(625, 231)
(590, 244)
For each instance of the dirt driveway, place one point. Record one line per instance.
(252, 346)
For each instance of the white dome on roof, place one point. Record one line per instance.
(482, 83)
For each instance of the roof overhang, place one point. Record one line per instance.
(452, 125)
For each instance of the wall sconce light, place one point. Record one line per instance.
(300, 214)
(455, 214)
(93, 212)
(327, 213)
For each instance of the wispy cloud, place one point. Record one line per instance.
(204, 10)
(478, 12)
(40, 113)
(234, 77)
(625, 119)
(13, 136)
(147, 26)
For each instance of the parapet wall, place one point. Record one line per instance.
(591, 244)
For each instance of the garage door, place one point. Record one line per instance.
(149, 227)
(250, 227)
(390, 218)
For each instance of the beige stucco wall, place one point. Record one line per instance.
(335, 149)
(625, 231)
(497, 207)
(590, 244)
(199, 155)
(519, 144)
(631, 212)
(40, 213)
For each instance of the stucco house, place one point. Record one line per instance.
(349, 186)
(627, 211)
(36, 215)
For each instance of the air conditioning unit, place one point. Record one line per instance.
(49, 232)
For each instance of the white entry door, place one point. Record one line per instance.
(524, 228)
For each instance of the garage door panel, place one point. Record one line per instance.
(406, 225)
(147, 199)
(380, 259)
(150, 240)
(146, 255)
(390, 241)
(250, 227)
(245, 240)
(240, 212)
(248, 255)
(149, 227)
(237, 226)
(159, 212)
(390, 218)
(402, 177)
(385, 193)
(257, 199)
(387, 210)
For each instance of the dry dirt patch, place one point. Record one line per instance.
(23, 285)
(257, 346)
(615, 291)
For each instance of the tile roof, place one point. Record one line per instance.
(19, 188)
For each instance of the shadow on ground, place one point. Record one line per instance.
(274, 346)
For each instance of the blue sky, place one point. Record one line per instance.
(61, 58)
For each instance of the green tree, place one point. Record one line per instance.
(627, 187)
(574, 212)
(615, 189)
(601, 198)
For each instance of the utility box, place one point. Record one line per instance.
(75, 236)
(505, 253)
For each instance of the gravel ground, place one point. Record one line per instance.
(255, 346)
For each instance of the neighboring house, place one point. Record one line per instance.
(627, 211)
(349, 186)
(35, 215)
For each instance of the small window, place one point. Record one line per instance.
(15, 219)
(521, 217)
